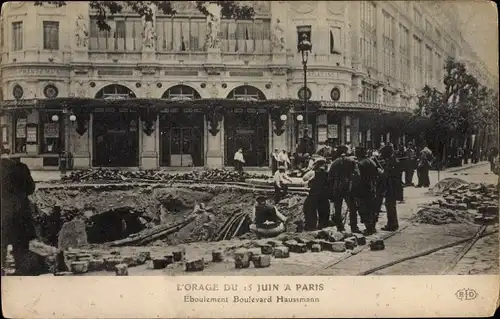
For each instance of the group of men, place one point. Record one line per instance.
(362, 182)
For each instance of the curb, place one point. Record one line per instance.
(463, 168)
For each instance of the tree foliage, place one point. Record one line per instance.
(106, 9)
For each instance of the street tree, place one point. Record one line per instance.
(456, 112)
(104, 10)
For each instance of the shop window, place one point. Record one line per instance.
(20, 134)
(17, 36)
(51, 35)
(246, 36)
(51, 128)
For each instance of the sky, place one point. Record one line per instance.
(480, 29)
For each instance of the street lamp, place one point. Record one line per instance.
(304, 48)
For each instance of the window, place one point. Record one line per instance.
(404, 50)
(20, 134)
(244, 36)
(181, 92)
(51, 35)
(246, 93)
(125, 35)
(368, 43)
(417, 64)
(115, 91)
(51, 137)
(389, 55)
(439, 68)
(369, 93)
(417, 18)
(428, 65)
(17, 36)
(335, 40)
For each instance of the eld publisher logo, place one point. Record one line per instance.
(466, 294)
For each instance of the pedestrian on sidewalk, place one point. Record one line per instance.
(283, 159)
(239, 161)
(492, 154)
(424, 165)
(393, 188)
(280, 184)
(341, 176)
(317, 204)
(410, 164)
(274, 159)
(266, 220)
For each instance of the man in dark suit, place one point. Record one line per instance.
(18, 227)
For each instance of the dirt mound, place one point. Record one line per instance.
(447, 183)
(442, 216)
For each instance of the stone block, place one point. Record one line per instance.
(143, 256)
(325, 245)
(72, 234)
(492, 210)
(169, 258)
(130, 261)
(195, 265)
(217, 256)
(178, 255)
(347, 234)
(96, 265)
(316, 248)
(290, 243)
(350, 243)
(159, 262)
(255, 252)
(266, 249)
(336, 236)
(275, 243)
(360, 239)
(312, 243)
(83, 257)
(281, 252)
(121, 270)
(79, 267)
(299, 248)
(242, 258)
(377, 244)
(462, 206)
(261, 261)
(111, 262)
(338, 247)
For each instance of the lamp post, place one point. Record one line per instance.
(304, 48)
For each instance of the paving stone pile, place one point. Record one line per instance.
(463, 203)
(109, 175)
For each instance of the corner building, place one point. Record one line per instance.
(66, 85)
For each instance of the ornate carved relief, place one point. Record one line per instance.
(278, 38)
(81, 32)
(303, 6)
(213, 25)
(336, 7)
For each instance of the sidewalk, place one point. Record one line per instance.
(46, 176)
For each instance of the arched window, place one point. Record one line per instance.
(115, 92)
(246, 93)
(181, 92)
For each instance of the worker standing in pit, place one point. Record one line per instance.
(317, 205)
(280, 184)
(266, 220)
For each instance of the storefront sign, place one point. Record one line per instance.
(21, 128)
(322, 134)
(51, 130)
(31, 135)
(333, 131)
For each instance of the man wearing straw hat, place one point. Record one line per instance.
(317, 204)
(280, 181)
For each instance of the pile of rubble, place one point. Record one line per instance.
(462, 203)
(113, 176)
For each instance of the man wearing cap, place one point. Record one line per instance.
(410, 164)
(266, 220)
(317, 205)
(392, 186)
(365, 191)
(340, 180)
(280, 181)
(424, 165)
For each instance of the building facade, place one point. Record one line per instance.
(367, 57)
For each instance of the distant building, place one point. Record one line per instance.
(367, 58)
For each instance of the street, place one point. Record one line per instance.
(412, 238)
